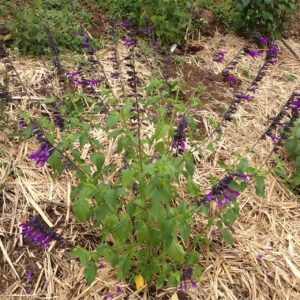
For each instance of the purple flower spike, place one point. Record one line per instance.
(59, 122)
(243, 96)
(262, 40)
(254, 53)
(73, 74)
(274, 138)
(92, 81)
(42, 154)
(38, 233)
(128, 43)
(29, 276)
(147, 30)
(185, 278)
(273, 54)
(231, 80)
(124, 25)
(295, 105)
(178, 140)
(219, 56)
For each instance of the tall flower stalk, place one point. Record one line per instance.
(279, 128)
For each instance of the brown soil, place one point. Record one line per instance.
(211, 20)
(293, 30)
(100, 23)
(203, 84)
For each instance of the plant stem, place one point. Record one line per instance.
(137, 111)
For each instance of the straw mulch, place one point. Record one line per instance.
(264, 262)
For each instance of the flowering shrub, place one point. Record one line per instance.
(144, 200)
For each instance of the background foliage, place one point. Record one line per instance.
(28, 22)
(265, 16)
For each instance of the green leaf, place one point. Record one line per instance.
(49, 100)
(230, 217)
(97, 159)
(184, 230)
(142, 232)
(127, 179)
(176, 251)
(111, 121)
(189, 165)
(82, 254)
(90, 273)
(260, 186)
(228, 237)
(161, 130)
(124, 267)
(123, 230)
(192, 188)
(210, 147)
(192, 258)
(156, 209)
(81, 209)
(102, 211)
(55, 162)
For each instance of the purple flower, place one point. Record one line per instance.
(178, 140)
(274, 138)
(124, 25)
(29, 276)
(128, 43)
(262, 40)
(73, 74)
(38, 232)
(295, 105)
(22, 124)
(273, 54)
(185, 278)
(231, 80)
(92, 81)
(232, 192)
(87, 82)
(243, 96)
(254, 53)
(147, 30)
(58, 121)
(76, 33)
(221, 191)
(118, 289)
(219, 56)
(42, 154)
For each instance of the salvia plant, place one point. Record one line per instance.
(147, 224)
